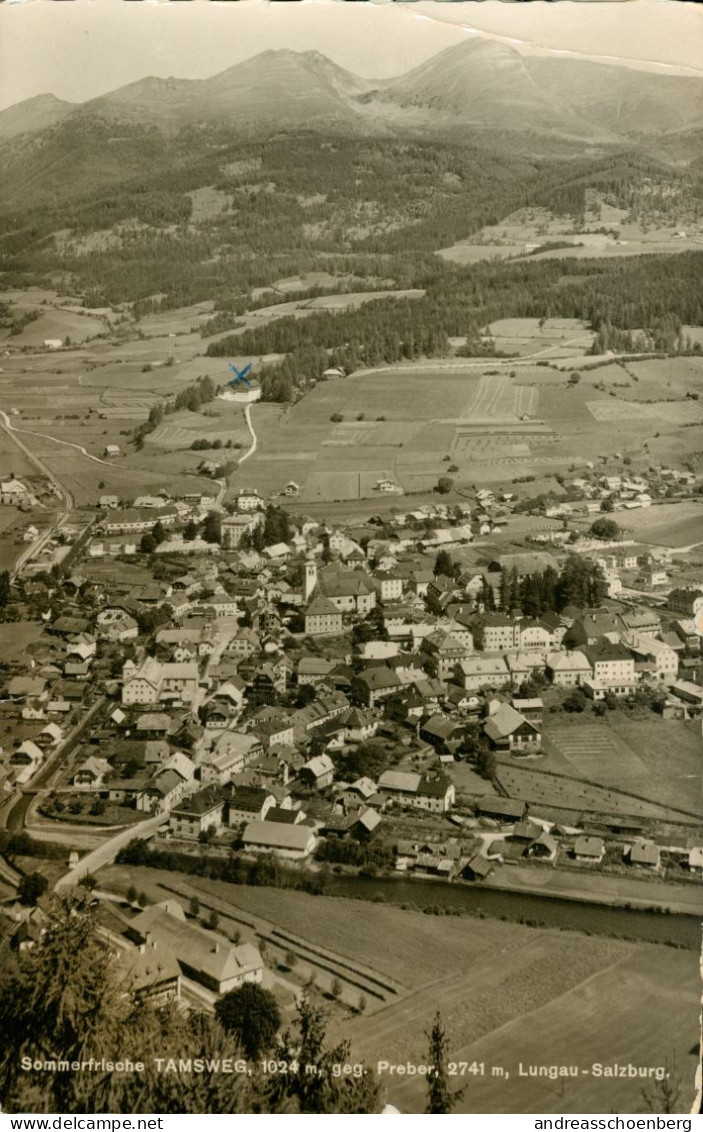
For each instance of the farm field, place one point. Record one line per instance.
(657, 759)
(550, 788)
(639, 1008)
(674, 525)
(523, 233)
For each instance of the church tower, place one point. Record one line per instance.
(310, 579)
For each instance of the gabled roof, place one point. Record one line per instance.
(402, 781)
(275, 835)
(321, 607)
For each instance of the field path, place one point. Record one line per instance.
(254, 441)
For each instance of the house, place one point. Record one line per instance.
(644, 854)
(443, 652)
(198, 814)
(318, 772)
(162, 792)
(687, 602)
(477, 868)
(568, 669)
(661, 661)
(289, 841)
(204, 956)
(613, 668)
(436, 794)
(365, 825)
(441, 732)
(375, 684)
(500, 809)
(480, 671)
(507, 730)
(91, 774)
(322, 617)
(248, 803)
(149, 972)
(313, 669)
(232, 751)
(589, 849)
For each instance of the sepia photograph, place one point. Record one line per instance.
(351, 557)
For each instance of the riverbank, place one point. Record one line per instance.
(598, 888)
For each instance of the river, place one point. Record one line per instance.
(543, 911)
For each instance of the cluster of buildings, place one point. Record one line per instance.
(319, 688)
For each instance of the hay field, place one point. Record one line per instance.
(540, 786)
(53, 322)
(657, 759)
(408, 417)
(673, 524)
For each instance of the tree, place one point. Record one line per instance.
(30, 888)
(66, 994)
(440, 1099)
(5, 591)
(291, 960)
(443, 564)
(251, 1014)
(158, 532)
(147, 544)
(190, 531)
(213, 920)
(574, 378)
(324, 1091)
(663, 1094)
(605, 529)
(444, 485)
(131, 894)
(306, 695)
(194, 907)
(212, 527)
(575, 702)
(335, 988)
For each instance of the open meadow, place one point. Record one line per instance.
(607, 231)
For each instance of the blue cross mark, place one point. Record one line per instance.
(240, 374)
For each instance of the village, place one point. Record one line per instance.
(238, 680)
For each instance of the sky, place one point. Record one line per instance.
(84, 48)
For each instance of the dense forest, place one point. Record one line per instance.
(285, 205)
(655, 294)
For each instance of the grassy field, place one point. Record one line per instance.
(657, 759)
(638, 1007)
(550, 789)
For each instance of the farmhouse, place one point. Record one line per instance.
(508, 730)
(203, 956)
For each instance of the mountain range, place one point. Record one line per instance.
(479, 85)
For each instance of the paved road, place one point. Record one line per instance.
(14, 817)
(107, 852)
